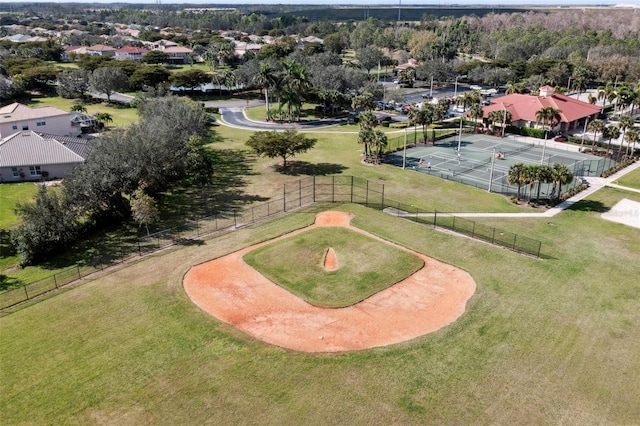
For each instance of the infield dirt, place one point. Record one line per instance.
(235, 293)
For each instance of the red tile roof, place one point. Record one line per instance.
(132, 49)
(524, 107)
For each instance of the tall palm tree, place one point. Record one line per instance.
(547, 115)
(543, 175)
(425, 118)
(499, 116)
(104, 118)
(560, 175)
(516, 176)
(365, 137)
(611, 132)
(531, 177)
(412, 119)
(266, 78)
(632, 136)
(378, 143)
(296, 80)
(626, 122)
(596, 126)
(475, 113)
(513, 87)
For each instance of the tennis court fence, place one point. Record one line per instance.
(295, 195)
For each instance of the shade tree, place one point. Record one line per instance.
(283, 145)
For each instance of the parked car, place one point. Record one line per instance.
(426, 96)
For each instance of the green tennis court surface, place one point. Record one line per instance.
(483, 158)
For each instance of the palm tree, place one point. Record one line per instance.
(412, 118)
(632, 136)
(543, 175)
(104, 118)
(531, 177)
(266, 78)
(513, 88)
(611, 132)
(378, 143)
(516, 176)
(79, 108)
(366, 137)
(560, 175)
(579, 85)
(547, 115)
(425, 118)
(476, 113)
(626, 122)
(596, 126)
(296, 80)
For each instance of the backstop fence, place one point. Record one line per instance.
(297, 194)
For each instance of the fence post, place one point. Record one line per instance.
(26, 292)
(435, 219)
(453, 225)
(55, 281)
(351, 189)
(235, 221)
(493, 236)
(333, 189)
(515, 236)
(139, 248)
(252, 215)
(398, 210)
(366, 197)
(539, 246)
(299, 192)
(473, 230)
(268, 212)
(284, 197)
(382, 197)
(314, 188)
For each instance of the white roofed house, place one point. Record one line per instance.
(29, 156)
(18, 117)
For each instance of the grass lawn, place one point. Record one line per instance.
(10, 195)
(631, 180)
(541, 341)
(366, 266)
(121, 116)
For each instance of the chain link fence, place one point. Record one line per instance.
(297, 194)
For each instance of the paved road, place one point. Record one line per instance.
(235, 117)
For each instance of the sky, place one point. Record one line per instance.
(503, 3)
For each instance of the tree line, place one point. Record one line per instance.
(126, 172)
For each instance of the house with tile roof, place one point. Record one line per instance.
(523, 109)
(130, 53)
(29, 156)
(17, 117)
(101, 50)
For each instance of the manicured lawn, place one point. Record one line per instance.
(10, 195)
(631, 180)
(121, 116)
(366, 266)
(541, 341)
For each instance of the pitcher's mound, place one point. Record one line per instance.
(235, 293)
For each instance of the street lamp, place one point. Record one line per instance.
(460, 133)
(455, 91)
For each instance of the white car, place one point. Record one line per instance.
(475, 87)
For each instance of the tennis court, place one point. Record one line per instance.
(485, 158)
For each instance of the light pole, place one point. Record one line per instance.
(493, 159)
(569, 85)
(504, 119)
(431, 89)
(460, 134)
(455, 91)
(404, 155)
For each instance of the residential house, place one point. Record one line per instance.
(130, 53)
(18, 117)
(29, 156)
(178, 54)
(523, 109)
(101, 50)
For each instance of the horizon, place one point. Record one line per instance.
(355, 3)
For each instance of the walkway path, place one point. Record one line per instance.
(595, 183)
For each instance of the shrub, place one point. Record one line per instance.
(384, 124)
(399, 125)
(212, 110)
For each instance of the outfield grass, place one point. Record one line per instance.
(366, 266)
(631, 180)
(542, 341)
